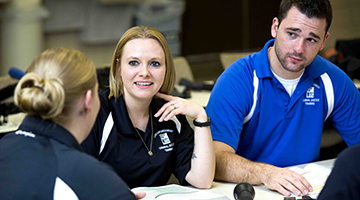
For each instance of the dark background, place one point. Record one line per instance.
(211, 26)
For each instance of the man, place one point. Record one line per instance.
(268, 109)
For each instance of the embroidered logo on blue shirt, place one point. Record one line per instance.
(310, 95)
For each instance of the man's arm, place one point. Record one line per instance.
(231, 167)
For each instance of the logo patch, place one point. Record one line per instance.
(25, 133)
(164, 138)
(310, 96)
(310, 92)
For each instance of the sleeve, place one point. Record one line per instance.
(91, 145)
(184, 150)
(346, 114)
(230, 101)
(344, 180)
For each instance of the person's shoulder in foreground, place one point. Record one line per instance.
(344, 180)
(45, 167)
(43, 159)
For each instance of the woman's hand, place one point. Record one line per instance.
(177, 105)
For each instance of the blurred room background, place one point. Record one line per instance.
(198, 30)
(205, 36)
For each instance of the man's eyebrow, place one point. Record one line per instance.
(294, 29)
(299, 31)
(314, 35)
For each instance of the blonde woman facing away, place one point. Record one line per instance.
(43, 159)
(141, 130)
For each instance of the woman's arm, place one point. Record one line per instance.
(201, 174)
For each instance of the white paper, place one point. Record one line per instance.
(177, 192)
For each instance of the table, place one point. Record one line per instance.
(261, 192)
(200, 97)
(13, 124)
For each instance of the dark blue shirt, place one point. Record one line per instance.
(42, 160)
(114, 140)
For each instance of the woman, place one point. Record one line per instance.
(43, 159)
(142, 131)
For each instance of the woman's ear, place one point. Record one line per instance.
(87, 101)
(118, 65)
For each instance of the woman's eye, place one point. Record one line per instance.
(155, 63)
(133, 63)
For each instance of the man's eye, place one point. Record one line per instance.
(312, 40)
(291, 34)
(133, 63)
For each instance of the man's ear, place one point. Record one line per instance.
(325, 39)
(274, 27)
(87, 100)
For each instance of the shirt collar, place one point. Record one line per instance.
(121, 116)
(49, 129)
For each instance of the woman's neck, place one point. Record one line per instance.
(71, 124)
(138, 112)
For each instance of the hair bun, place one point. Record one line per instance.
(40, 96)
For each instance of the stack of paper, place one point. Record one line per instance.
(175, 192)
(315, 174)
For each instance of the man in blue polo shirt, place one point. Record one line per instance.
(268, 109)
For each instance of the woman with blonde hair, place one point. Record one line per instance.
(141, 130)
(43, 159)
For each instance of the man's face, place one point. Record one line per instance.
(298, 40)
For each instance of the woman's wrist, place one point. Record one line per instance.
(202, 123)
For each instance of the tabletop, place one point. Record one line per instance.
(261, 192)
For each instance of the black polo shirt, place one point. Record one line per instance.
(344, 180)
(115, 141)
(42, 160)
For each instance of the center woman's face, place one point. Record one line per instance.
(142, 68)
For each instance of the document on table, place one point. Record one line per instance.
(315, 174)
(176, 192)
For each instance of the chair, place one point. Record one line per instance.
(182, 69)
(228, 58)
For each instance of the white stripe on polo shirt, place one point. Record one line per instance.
(110, 123)
(255, 97)
(177, 123)
(106, 132)
(63, 191)
(329, 90)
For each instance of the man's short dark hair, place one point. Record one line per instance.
(311, 8)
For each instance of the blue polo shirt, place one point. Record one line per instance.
(252, 112)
